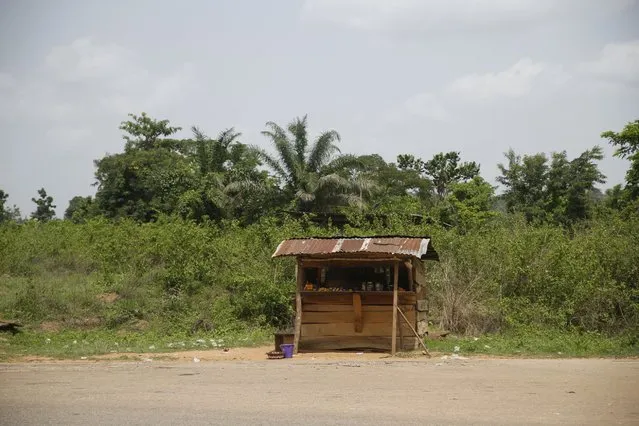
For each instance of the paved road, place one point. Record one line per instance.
(447, 392)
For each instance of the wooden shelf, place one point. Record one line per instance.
(367, 297)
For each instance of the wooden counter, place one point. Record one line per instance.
(351, 320)
(368, 297)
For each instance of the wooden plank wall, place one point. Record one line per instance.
(330, 322)
(325, 343)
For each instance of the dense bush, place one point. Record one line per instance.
(168, 274)
(512, 274)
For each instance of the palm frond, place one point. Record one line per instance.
(285, 151)
(214, 180)
(271, 162)
(202, 150)
(289, 160)
(342, 162)
(304, 196)
(364, 185)
(323, 149)
(334, 181)
(298, 130)
(352, 200)
(243, 186)
(199, 135)
(275, 131)
(228, 136)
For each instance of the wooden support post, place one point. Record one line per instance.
(411, 276)
(394, 330)
(357, 310)
(401, 334)
(299, 272)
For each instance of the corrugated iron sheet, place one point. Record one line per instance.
(419, 247)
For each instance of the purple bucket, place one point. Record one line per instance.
(287, 349)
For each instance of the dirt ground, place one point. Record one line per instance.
(243, 388)
(232, 354)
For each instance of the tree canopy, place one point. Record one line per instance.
(313, 176)
(203, 178)
(626, 143)
(44, 207)
(559, 190)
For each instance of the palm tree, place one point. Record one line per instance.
(314, 177)
(229, 182)
(213, 154)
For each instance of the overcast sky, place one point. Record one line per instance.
(400, 76)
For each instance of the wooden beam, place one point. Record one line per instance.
(299, 272)
(357, 311)
(346, 261)
(411, 276)
(419, 339)
(394, 329)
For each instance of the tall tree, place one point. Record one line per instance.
(44, 207)
(144, 132)
(81, 209)
(311, 175)
(525, 181)
(8, 214)
(149, 177)
(581, 192)
(389, 184)
(4, 216)
(562, 192)
(627, 144)
(142, 183)
(443, 170)
(229, 183)
(468, 204)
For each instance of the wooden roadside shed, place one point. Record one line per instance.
(359, 292)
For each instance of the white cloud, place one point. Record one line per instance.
(451, 14)
(518, 81)
(86, 81)
(515, 82)
(84, 60)
(426, 105)
(69, 137)
(618, 62)
(7, 81)
(616, 70)
(422, 105)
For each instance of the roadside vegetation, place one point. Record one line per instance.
(174, 251)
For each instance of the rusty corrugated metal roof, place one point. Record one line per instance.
(419, 247)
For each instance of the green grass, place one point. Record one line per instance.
(76, 344)
(539, 344)
(72, 344)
